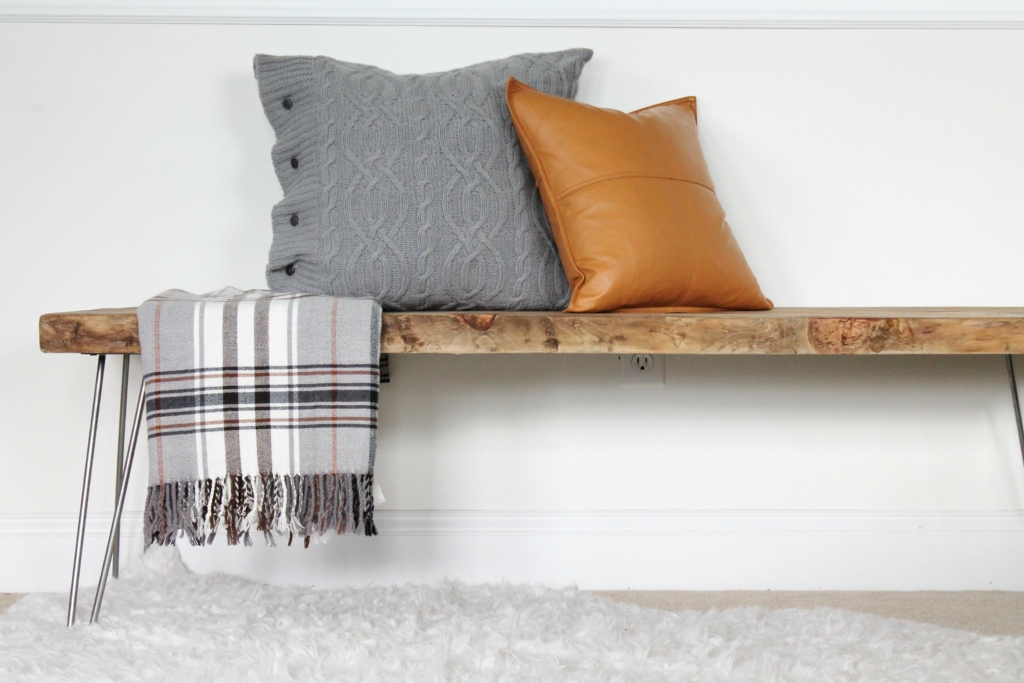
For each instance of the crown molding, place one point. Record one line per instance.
(576, 13)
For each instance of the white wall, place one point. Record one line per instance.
(858, 167)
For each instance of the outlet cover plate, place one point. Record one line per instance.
(652, 376)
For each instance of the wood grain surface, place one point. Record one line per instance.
(832, 331)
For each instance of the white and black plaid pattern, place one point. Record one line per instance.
(255, 402)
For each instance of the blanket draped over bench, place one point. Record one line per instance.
(261, 413)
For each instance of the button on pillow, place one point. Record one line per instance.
(632, 206)
(410, 189)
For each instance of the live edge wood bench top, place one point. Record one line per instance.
(782, 331)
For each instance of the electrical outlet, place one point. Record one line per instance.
(641, 362)
(641, 369)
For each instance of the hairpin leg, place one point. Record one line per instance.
(122, 491)
(1016, 402)
(83, 508)
(119, 474)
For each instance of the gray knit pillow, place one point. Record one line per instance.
(410, 189)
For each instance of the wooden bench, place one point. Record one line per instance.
(782, 331)
(824, 331)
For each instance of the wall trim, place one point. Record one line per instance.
(606, 522)
(690, 522)
(59, 525)
(670, 550)
(580, 13)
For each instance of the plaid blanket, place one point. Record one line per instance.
(261, 412)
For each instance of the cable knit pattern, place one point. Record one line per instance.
(410, 189)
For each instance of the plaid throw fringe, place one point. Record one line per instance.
(261, 411)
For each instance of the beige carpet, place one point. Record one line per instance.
(7, 599)
(989, 612)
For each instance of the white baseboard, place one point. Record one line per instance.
(676, 550)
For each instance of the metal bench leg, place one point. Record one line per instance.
(120, 457)
(115, 523)
(83, 507)
(1016, 402)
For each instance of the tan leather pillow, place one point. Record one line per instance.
(632, 206)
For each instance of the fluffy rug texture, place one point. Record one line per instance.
(162, 623)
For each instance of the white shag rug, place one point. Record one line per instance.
(162, 623)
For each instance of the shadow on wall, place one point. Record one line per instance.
(257, 188)
(784, 432)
